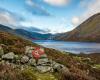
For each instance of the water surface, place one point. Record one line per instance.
(74, 47)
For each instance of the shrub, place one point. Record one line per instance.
(8, 73)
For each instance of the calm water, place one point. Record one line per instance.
(74, 47)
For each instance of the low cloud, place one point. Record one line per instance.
(7, 19)
(57, 2)
(75, 21)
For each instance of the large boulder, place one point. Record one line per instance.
(8, 56)
(24, 59)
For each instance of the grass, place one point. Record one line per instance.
(45, 76)
(8, 73)
(97, 66)
(14, 43)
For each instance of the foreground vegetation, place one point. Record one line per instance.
(80, 67)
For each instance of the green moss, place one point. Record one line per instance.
(29, 74)
(45, 76)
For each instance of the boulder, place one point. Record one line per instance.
(17, 59)
(59, 67)
(28, 51)
(43, 61)
(24, 59)
(8, 56)
(32, 62)
(43, 69)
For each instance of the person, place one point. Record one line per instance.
(37, 52)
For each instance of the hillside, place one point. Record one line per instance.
(89, 30)
(25, 33)
(66, 66)
(32, 35)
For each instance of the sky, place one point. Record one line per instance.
(54, 16)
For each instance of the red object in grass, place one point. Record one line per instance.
(37, 52)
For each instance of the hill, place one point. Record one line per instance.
(25, 33)
(68, 66)
(89, 30)
(32, 35)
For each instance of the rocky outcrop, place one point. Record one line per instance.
(43, 64)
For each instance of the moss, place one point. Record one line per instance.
(45, 76)
(28, 74)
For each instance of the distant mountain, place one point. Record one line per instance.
(34, 29)
(24, 33)
(89, 30)
(5, 28)
(32, 35)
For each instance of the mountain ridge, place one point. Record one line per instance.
(25, 33)
(88, 31)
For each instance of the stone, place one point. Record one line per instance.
(1, 51)
(32, 62)
(59, 67)
(8, 56)
(17, 59)
(28, 51)
(43, 61)
(43, 69)
(44, 65)
(24, 59)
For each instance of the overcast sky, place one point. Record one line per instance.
(55, 16)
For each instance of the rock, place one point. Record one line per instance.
(24, 59)
(17, 59)
(44, 65)
(32, 62)
(59, 67)
(43, 61)
(1, 51)
(43, 69)
(8, 56)
(28, 51)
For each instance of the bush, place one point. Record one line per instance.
(8, 73)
